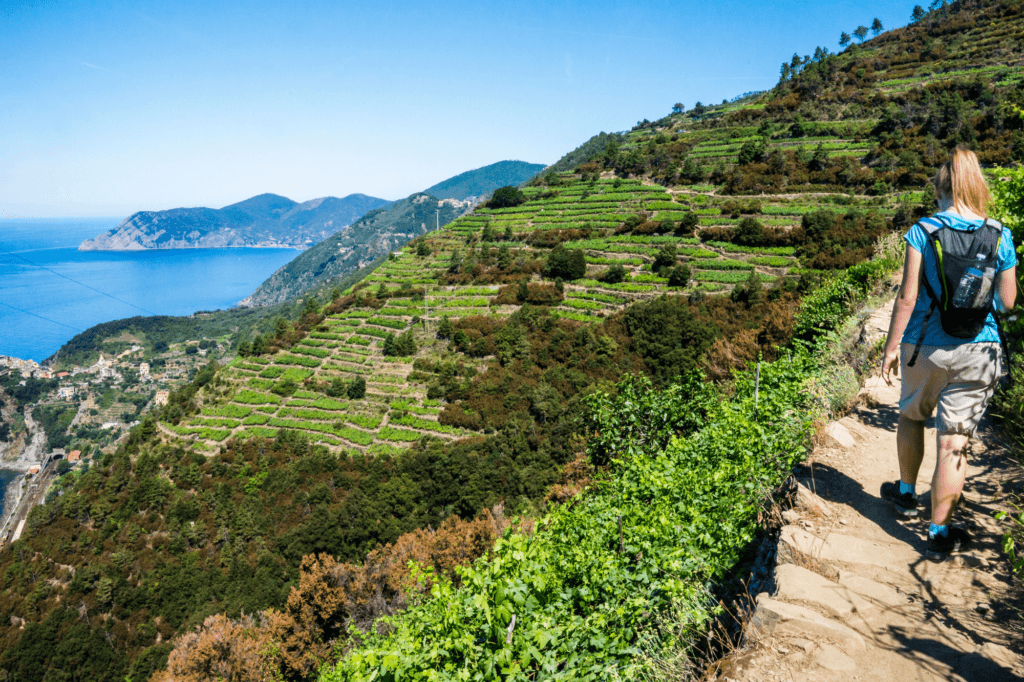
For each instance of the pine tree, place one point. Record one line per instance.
(445, 329)
(844, 39)
(504, 257)
(405, 345)
(917, 14)
(876, 26)
(389, 344)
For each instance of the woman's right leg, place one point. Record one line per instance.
(950, 473)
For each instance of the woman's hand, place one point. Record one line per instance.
(891, 363)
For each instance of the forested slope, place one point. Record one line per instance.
(479, 375)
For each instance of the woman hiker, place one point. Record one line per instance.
(960, 264)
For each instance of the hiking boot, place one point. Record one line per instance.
(904, 504)
(941, 546)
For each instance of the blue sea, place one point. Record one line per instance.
(50, 291)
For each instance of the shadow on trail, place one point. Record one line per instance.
(972, 667)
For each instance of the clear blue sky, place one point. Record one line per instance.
(108, 107)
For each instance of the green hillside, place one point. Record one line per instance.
(371, 237)
(587, 341)
(380, 231)
(482, 181)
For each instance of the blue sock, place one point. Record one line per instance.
(935, 530)
(907, 488)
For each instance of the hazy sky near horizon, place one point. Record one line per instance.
(109, 107)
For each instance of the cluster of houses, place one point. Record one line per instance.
(28, 368)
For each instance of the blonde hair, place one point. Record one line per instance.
(960, 179)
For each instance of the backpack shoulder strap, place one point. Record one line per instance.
(933, 224)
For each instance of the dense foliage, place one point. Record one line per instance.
(573, 599)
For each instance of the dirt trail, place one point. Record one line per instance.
(854, 598)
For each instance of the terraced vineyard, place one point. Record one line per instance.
(289, 389)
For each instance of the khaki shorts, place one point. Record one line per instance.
(958, 380)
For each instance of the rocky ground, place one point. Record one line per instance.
(852, 596)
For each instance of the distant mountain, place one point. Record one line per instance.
(376, 234)
(477, 183)
(263, 220)
(384, 230)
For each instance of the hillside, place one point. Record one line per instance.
(380, 232)
(570, 373)
(482, 181)
(263, 220)
(373, 236)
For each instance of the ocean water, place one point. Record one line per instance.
(50, 291)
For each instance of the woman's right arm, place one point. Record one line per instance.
(1006, 287)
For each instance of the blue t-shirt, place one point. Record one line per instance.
(917, 238)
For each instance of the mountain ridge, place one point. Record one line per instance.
(265, 220)
(484, 180)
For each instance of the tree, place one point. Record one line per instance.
(861, 33)
(455, 262)
(335, 294)
(423, 248)
(785, 73)
(357, 389)
(445, 329)
(876, 27)
(748, 232)
(259, 346)
(749, 153)
(389, 345)
(312, 306)
(678, 108)
(244, 348)
(504, 256)
(666, 257)
(405, 344)
(844, 39)
(506, 196)
(337, 388)
(917, 14)
(488, 233)
(668, 336)
(688, 224)
(698, 109)
(615, 274)
(679, 276)
(509, 234)
(566, 263)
